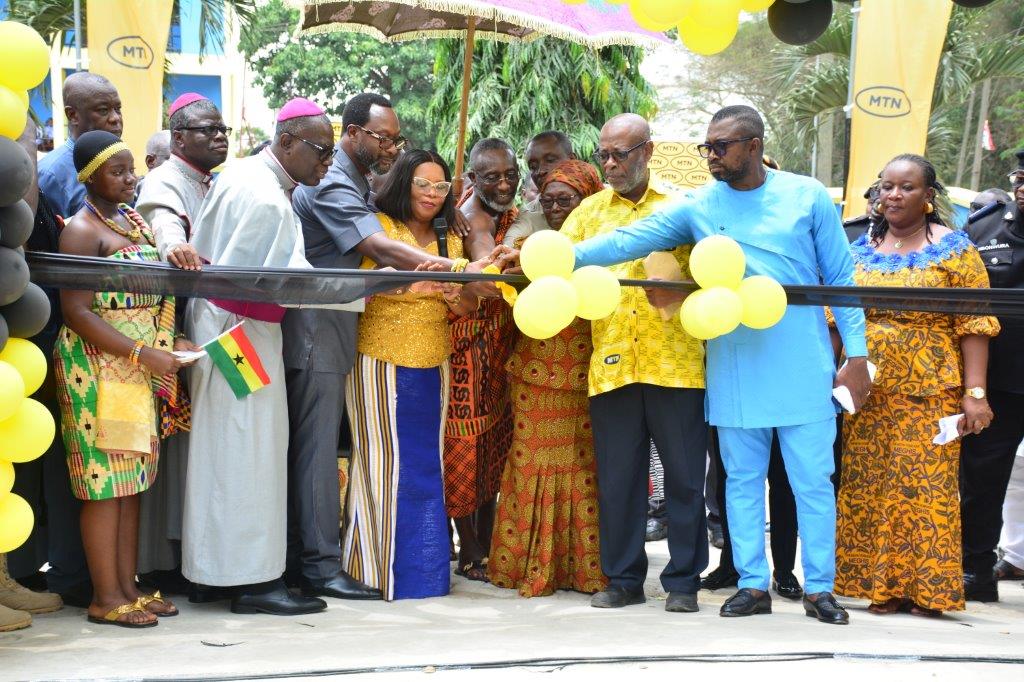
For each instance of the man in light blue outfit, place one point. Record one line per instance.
(759, 380)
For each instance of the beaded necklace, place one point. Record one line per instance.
(139, 227)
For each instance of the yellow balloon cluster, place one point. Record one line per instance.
(556, 294)
(24, 61)
(705, 26)
(726, 299)
(26, 430)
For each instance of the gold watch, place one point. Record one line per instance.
(978, 393)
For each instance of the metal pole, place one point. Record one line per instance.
(467, 74)
(78, 35)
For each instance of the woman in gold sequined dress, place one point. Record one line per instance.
(396, 528)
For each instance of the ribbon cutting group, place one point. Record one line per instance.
(198, 447)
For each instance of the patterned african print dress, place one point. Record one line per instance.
(396, 528)
(478, 433)
(113, 412)
(546, 528)
(898, 523)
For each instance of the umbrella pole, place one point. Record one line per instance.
(467, 74)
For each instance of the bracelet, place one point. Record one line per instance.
(180, 335)
(133, 357)
(459, 264)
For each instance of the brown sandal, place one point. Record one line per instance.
(886, 608)
(474, 570)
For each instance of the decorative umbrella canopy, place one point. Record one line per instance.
(594, 23)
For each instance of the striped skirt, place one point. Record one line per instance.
(396, 527)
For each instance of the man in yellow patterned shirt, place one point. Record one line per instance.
(646, 381)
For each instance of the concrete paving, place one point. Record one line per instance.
(482, 632)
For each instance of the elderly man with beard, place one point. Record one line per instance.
(544, 151)
(646, 382)
(170, 201)
(339, 228)
(478, 432)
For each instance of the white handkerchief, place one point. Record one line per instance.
(947, 430)
(842, 393)
(189, 356)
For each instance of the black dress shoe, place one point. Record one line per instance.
(80, 595)
(207, 594)
(720, 577)
(614, 597)
(1003, 570)
(746, 603)
(979, 588)
(657, 529)
(715, 535)
(787, 586)
(277, 602)
(826, 609)
(341, 586)
(681, 602)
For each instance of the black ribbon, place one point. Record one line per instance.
(288, 286)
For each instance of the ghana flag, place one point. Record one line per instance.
(234, 356)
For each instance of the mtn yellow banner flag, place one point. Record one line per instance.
(896, 59)
(127, 43)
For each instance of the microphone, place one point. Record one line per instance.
(441, 232)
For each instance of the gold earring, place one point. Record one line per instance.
(878, 207)
(928, 208)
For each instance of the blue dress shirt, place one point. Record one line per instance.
(59, 183)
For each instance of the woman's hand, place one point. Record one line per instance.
(159, 362)
(184, 257)
(427, 287)
(977, 415)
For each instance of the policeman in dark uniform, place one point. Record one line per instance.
(862, 224)
(997, 229)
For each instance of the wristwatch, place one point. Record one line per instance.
(978, 393)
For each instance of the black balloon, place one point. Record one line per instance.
(799, 24)
(16, 223)
(13, 275)
(973, 3)
(16, 171)
(4, 334)
(27, 316)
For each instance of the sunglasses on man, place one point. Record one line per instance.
(720, 147)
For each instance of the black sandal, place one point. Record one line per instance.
(474, 570)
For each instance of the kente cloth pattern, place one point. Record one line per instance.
(108, 410)
(898, 513)
(546, 534)
(396, 528)
(478, 431)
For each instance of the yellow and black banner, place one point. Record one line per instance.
(127, 42)
(897, 56)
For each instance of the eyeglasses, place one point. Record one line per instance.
(1016, 179)
(601, 156)
(442, 188)
(209, 131)
(511, 177)
(385, 141)
(323, 153)
(563, 201)
(719, 148)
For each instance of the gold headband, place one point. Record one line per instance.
(101, 159)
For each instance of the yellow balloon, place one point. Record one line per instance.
(12, 390)
(755, 5)
(6, 477)
(24, 56)
(659, 15)
(597, 292)
(707, 40)
(764, 301)
(693, 323)
(713, 13)
(545, 253)
(27, 433)
(16, 521)
(720, 309)
(12, 113)
(717, 261)
(545, 307)
(30, 362)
